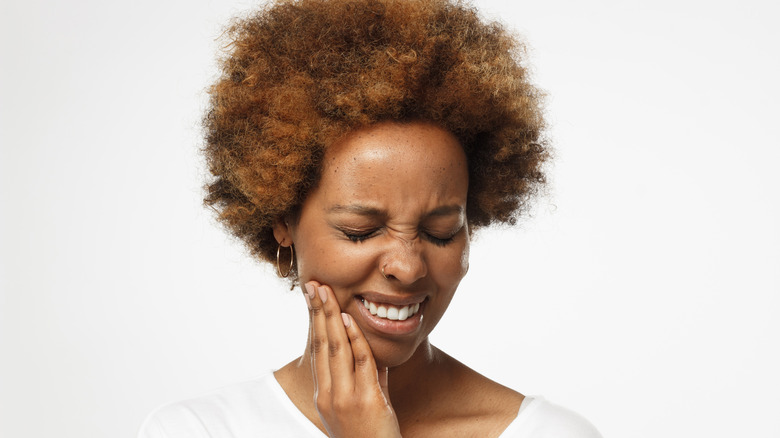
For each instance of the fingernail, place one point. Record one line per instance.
(309, 289)
(347, 322)
(323, 294)
(308, 300)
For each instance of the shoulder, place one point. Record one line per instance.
(539, 418)
(233, 410)
(476, 406)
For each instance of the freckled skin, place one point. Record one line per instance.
(394, 196)
(405, 172)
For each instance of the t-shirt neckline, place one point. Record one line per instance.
(526, 406)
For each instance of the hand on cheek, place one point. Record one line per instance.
(350, 394)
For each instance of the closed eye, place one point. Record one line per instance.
(439, 241)
(358, 236)
(362, 235)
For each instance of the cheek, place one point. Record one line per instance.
(336, 264)
(464, 259)
(450, 269)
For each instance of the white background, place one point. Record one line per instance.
(643, 293)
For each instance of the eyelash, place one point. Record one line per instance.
(358, 237)
(438, 241)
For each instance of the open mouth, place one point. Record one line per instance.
(391, 311)
(401, 318)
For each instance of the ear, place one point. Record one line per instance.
(283, 232)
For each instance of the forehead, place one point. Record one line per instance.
(417, 162)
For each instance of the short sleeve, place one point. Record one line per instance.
(542, 419)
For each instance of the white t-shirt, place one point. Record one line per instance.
(260, 408)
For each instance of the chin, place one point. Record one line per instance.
(388, 354)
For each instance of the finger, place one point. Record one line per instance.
(319, 340)
(342, 373)
(383, 374)
(365, 366)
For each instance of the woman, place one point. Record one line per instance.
(358, 145)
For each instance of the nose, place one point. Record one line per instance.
(404, 261)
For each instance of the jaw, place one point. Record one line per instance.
(389, 354)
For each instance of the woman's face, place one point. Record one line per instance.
(386, 229)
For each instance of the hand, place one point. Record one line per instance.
(350, 394)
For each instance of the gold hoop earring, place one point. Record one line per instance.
(278, 266)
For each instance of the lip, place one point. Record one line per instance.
(387, 326)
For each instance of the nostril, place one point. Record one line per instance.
(406, 269)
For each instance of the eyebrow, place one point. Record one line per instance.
(364, 210)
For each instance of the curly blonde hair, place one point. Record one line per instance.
(299, 74)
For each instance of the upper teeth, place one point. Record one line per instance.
(391, 312)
